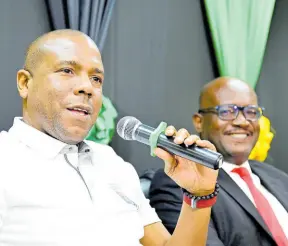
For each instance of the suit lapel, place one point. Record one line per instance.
(227, 184)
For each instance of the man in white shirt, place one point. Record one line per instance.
(252, 206)
(58, 189)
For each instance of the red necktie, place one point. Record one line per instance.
(263, 208)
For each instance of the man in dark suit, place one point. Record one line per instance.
(252, 204)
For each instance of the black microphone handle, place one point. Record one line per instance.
(194, 153)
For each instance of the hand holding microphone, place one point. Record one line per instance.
(189, 161)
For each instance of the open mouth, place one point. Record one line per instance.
(80, 111)
(239, 135)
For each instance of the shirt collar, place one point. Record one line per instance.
(41, 142)
(228, 167)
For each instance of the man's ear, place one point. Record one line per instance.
(23, 80)
(198, 122)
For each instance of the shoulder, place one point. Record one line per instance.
(8, 145)
(267, 168)
(10, 155)
(4, 138)
(269, 172)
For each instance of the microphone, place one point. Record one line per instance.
(130, 128)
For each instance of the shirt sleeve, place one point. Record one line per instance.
(147, 213)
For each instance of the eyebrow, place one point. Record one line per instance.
(76, 64)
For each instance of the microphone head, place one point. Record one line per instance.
(126, 127)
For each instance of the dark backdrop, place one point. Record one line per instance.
(20, 23)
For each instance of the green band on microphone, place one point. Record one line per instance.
(153, 139)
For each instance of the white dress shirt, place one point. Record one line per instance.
(52, 193)
(279, 211)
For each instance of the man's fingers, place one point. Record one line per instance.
(191, 139)
(181, 135)
(169, 160)
(205, 144)
(201, 143)
(170, 131)
(164, 155)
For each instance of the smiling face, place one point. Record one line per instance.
(63, 94)
(234, 139)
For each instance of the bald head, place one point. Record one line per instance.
(63, 73)
(223, 87)
(37, 50)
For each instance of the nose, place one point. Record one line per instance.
(84, 87)
(240, 120)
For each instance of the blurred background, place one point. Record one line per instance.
(157, 56)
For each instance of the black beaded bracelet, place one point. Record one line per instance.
(191, 196)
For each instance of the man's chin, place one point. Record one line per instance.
(239, 156)
(74, 135)
(238, 150)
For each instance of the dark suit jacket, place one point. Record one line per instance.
(234, 219)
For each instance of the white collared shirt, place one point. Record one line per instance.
(279, 211)
(52, 193)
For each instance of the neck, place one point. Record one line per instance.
(236, 160)
(27, 119)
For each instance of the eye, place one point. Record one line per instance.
(226, 112)
(252, 112)
(66, 70)
(97, 80)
